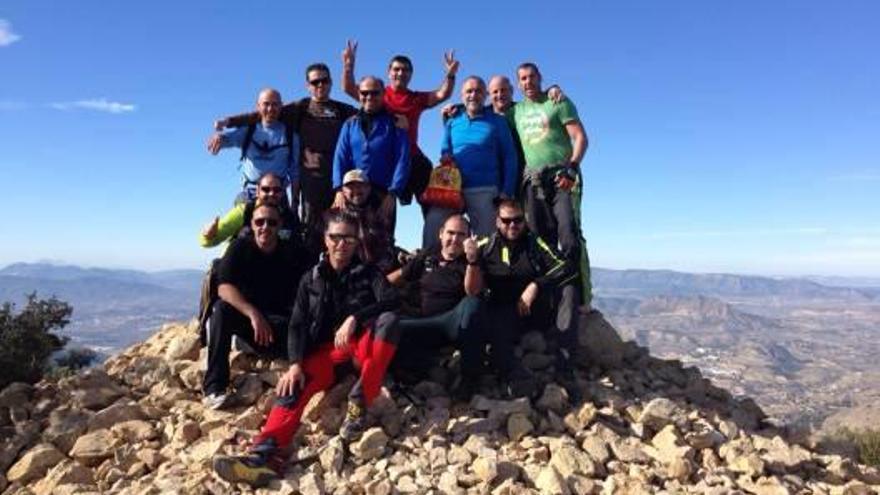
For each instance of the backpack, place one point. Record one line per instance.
(249, 137)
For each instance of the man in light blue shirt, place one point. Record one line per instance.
(481, 144)
(269, 146)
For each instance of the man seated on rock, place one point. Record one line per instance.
(527, 280)
(237, 223)
(267, 146)
(449, 281)
(255, 287)
(343, 313)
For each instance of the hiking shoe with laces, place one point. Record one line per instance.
(355, 422)
(215, 401)
(250, 469)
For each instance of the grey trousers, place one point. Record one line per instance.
(479, 206)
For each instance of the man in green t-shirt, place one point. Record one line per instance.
(554, 142)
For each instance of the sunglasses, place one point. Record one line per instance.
(512, 220)
(319, 81)
(369, 92)
(343, 238)
(268, 222)
(269, 189)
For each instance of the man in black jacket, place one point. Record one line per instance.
(527, 280)
(343, 312)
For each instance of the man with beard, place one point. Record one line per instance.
(377, 242)
(343, 313)
(256, 295)
(371, 142)
(529, 283)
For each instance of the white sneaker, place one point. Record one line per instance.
(215, 401)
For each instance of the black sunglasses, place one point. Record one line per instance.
(512, 220)
(268, 222)
(347, 239)
(319, 81)
(369, 92)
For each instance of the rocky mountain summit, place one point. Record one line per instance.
(646, 425)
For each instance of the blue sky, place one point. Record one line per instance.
(724, 136)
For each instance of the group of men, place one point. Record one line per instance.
(313, 276)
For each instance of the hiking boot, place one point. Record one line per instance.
(520, 382)
(216, 401)
(250, 469)
(566, 377)
(355, 422)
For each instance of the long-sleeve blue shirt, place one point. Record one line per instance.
(267, 152)
(483, 149)
(383, 153)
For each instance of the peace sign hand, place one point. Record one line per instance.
(450, 63)
(349, 53)
(471, 249)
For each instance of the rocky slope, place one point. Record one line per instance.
(646, 426)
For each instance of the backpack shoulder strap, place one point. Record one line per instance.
(248, 137)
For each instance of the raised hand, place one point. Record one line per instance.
(349, 53)
(471, 249)
(450, 63)
(214, 143)
(210, 230)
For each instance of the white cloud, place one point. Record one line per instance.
(7, 37)
(863, 176)
(98, 104)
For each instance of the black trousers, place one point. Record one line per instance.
(227, 321)
(550, 214)
(421, 338)
(507, 326)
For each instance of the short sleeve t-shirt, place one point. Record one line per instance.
(541, 129)
(442, 286)
(410, 104)
(268, 281)
(319, 128)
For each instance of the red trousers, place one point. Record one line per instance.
(370, 352)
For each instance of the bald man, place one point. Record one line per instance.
(268, 146)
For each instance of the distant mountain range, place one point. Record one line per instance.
(111, 308)
(115, 307)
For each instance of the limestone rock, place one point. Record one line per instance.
(666, 446)
(332, 456)
(569, 460)
(486, 468)
(518, 426)
(371, 444)
(185, 346)
(91, 449)
(135, 430)
(601, 342)
(554, 398)
(34, 463)
(117, 413)
(658, 413)
(550, 482)
(65, 426)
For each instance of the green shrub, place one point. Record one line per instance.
(868, 443)
(27, 339)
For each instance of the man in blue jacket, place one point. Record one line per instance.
(483, 149)
(370, 141)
